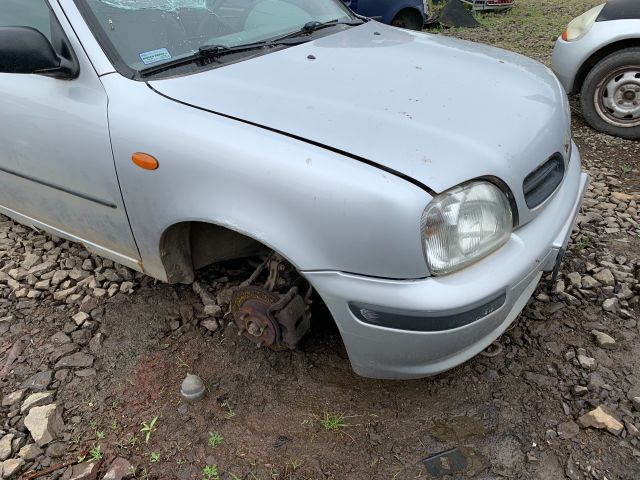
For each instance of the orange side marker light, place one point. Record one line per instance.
(144, 160)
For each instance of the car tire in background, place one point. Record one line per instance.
(408, 18)
(610, 95)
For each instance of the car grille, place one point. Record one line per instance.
(543, 181)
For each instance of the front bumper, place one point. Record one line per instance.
(567, 60)
(512, 272)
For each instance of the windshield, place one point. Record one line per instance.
(146, 33)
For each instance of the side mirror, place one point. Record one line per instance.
(26, 50)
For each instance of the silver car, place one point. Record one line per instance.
(598, 57)
(342, 156)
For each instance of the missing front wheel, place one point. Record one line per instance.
(272, 308)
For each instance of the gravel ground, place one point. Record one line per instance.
(92, 356)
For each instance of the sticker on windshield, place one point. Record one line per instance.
(155, 56)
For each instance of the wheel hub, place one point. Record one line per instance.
(618, 98)
(254, 326)
(250, 308)
(269, 319)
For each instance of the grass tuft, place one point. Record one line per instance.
(210, 472)
(333, 422)
(95, 453)
(215, 439)
(149, 428)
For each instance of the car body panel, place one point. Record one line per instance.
(620, 10)
(515, 269)
(56, 164)
(412, 120)
(319, 209)
(385, 10)
(569, 57)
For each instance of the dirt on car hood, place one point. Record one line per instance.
(439, 110)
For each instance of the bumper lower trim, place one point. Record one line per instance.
(426, 321)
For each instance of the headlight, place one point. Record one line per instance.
(464, 224)
(581, 25)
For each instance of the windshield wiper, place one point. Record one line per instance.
(214, 52)
(206, 52)
(314, 26)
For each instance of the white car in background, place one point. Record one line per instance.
(598, 57)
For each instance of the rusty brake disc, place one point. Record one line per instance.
(250, 307)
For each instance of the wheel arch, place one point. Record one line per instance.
(600, 55)
(189, 245)
(409, 9)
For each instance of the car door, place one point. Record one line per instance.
(56, 165)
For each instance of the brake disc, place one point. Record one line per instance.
(270, 319)
(250, 310)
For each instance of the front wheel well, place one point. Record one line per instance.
(597, 57)
(410, 17)
(271, 306)
(186, 247)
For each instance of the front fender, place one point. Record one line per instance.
(573, 60)
(319, 209)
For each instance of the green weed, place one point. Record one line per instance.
(210, 472)
(95, 453)
(149, 428)
(215, 439)
(333, 422)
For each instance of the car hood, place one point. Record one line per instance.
(436, 109)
